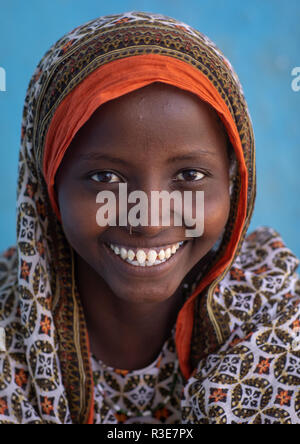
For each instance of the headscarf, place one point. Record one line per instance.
(46, 371)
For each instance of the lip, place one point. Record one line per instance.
(154, 270)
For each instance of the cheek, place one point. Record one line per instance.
(216, 212)
(78, 213)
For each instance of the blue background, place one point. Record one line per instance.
(261, 38)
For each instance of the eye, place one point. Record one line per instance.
(190, 175)
(105, 177)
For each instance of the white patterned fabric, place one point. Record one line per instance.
(139, 391)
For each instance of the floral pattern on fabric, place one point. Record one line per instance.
(254, 378)
(137, 391)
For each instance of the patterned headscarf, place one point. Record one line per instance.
(46, 376)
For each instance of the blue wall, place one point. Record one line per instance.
(261, 38)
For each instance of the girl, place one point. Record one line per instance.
(140, 323)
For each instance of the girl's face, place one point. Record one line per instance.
(156, 138)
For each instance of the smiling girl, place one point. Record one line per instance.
(135, 324)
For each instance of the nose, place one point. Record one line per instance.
(150, 232)
(148, 216)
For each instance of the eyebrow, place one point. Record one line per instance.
(99, 156)
(190, 156)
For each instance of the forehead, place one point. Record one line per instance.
(151, 128)
(157, 113)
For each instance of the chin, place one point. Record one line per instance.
(143, 294)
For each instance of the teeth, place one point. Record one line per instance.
(143, 258)
(151, 256)
(123, 253)
(168, 253)
(161, 255)
(130, 255)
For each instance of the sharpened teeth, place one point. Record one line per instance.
(123, 253)
(151, 257)
(141, 256)
(161, 255)
(130, 255)
(147, 257)
(168, 253)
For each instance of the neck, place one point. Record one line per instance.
(123, 334)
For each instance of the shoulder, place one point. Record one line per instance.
(263, 252)
(254, 377)
(262, 282)
(265, 246)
